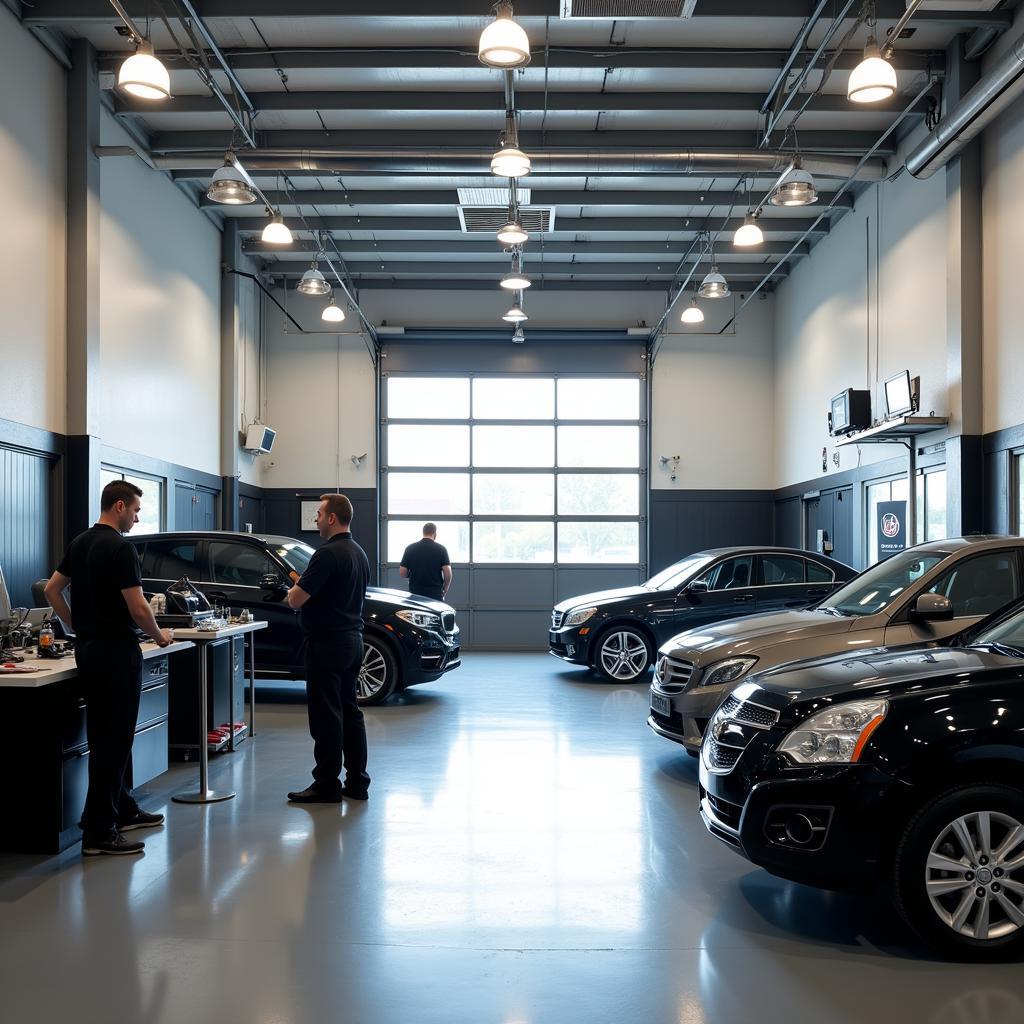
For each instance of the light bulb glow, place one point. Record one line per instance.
(515, 316)
(332, 313)
(277, 232)
(748, 233)
(313, 283)
(144, 75)
(693, 314)
(515, 281)
(873, 79)
(714, 286)
(503, 42)
(513, 233)
(510, 162)
(227, 186)
(795, 189)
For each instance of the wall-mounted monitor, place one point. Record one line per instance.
(850, 411)
(259, 439)
(899, 395)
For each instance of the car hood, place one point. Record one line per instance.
(603, 597)
(403, 599)
(888, 671)
(754, 632)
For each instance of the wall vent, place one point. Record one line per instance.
(491, 196)
(628, 8)
(535, 219)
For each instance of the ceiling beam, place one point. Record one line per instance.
(502, 297)
(535, 269)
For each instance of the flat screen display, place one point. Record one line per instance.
(840, 412)
(898, 397)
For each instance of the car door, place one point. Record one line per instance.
(976, 585)
(166, 559)
(730, 592)
(785, 583)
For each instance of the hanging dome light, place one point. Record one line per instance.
(714, 286)
(313, 283)
(873, 79)
(503, 43)
(515, 315)
(510, 162)
(748, 233)
(518, 337)
(513, 233)
(796, 188)
(277, 232)
(229, 186)
(515, 281)
(693, 314)
(144, 75)
(332, 313)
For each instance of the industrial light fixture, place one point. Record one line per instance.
(144, 75)
(333, 313)
(277, 232)
(795, 187)
(229, 185)
(693, 314)
(714, 285)
(510, 161)
(513, 233)
(873, 79)
(515, 315)
(518, 337)
(312, 282)
(516, 280)
(503, 43)
(748, 233)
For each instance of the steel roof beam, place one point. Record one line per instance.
(547, 285)
(535, 269)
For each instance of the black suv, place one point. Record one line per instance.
(407, 640)
(616, 632)
(902, 766)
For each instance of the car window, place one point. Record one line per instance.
(295, 555)
(731, 574)
(239, 565)
(817, 573)
(980, 586)
(878, 587)
(1008, 631)
(677, 574)
(170, 560)
(778, 570)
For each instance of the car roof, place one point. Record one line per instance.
(744, 549)
(267, 538)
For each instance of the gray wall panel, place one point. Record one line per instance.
(26, 517)
(510, 630)
(571, 582)
(508, 587)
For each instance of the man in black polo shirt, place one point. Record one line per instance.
(329, 596)
(427, 566)
(107, 604)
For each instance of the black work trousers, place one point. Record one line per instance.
(111, 671)
(333, 660)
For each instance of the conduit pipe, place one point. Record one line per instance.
(979, 107)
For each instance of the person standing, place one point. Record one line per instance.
(427, 566)
(329, 597)
(107, 603)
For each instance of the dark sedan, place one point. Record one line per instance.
(406, 640)
(616, 632)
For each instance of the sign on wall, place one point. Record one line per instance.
(307, 514)
(892, 527)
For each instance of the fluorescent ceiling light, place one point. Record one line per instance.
(693, 314)
(313, 283)
(510, 162)
(714, 286)
(143, 75)
(277, 232)
(513, 233)
(515, 315)
(748, 233)
(503, 43)
(873, 79)
(332, 313)
(228, 186)
(795, 188)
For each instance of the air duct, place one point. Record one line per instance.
(979, 107)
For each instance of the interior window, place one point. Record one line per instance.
(170, 560)
(732, 574)
(239, 565)
(817, 573)
(980, 586)
(782, 569)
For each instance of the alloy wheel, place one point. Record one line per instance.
(373, 674)
(974, 875)
(623, 655)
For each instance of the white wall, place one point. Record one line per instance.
(159, 315)
(33, 156)
(250, 379)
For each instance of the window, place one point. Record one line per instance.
(1018, 475)
(930, 507)
(981, 585)
(170, 560)
(239, 565)
(732, 574)
(876, 588)
(151, 511)
(779, 570)
(817, 573)
(528, 469)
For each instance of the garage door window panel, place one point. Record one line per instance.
(426, 445)
(511, 398)
(530, 542)
(598, 447)
(599, 542)
(611, 399)
(428, 494)
(512, 446)
(453, 534)
(428, 398)
(598, 494)
(513, 494)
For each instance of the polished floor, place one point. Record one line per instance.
(531, 854)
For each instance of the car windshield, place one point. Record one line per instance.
(1009, 632)
(295, 555)
(675, 575)
(876, 588)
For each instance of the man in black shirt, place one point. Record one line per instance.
(107, 604)
(329, 596)
(427, 566)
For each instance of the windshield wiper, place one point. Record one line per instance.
(832, 610)
(1010, 650)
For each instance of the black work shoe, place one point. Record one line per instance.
(113, 845)
(140, 819)
(312, 795)
(354, 794)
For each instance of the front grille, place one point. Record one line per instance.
(674, 674)
(448, 622)
(720, 758)
(743, 711)
(556, 619)
(726, 812)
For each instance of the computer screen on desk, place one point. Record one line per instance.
(899, 398)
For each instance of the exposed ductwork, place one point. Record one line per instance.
(979, 107)
(335, 161)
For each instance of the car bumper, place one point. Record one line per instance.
(819, 827)
(683, 717)
(568, 645)
(429, 655)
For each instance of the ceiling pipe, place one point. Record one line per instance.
(979, 107)
(336, 161)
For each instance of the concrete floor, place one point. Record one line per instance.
(531, 854)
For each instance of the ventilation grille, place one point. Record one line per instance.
(491, 196)
(490, 218)
(627, 8)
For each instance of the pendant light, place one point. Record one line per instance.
(277, 232)
(518, 337)
(714, 285)
(873, 79)
(693, 314)
(515, 315)
(510, 161)
(795, 187)
(229, 186)
(312, 282)
(503, 43)
(516, 280)
(748, 233)
(333, 313)
(144, 75)
(513, 233)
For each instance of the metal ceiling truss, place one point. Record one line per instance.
(535, 268)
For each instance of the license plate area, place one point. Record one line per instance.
(661, 705)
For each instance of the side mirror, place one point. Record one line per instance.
(271, 581)
(697, 587)
(933, 608)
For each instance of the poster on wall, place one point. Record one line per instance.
(892, 527)
(307, 515)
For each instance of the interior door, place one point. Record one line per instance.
(731, 592)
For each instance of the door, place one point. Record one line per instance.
(205, 509)
(184, 504)
(832, 513)
(786, 582)
(250, 512)
(730, 593)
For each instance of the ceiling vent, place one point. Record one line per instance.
(491, 196)
(535, 219)
(628, 8)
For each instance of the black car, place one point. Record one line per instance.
(616, 632)
(406, 640)
(904, 767)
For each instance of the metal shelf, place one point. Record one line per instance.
(895, 431)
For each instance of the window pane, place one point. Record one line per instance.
(732, 574)
(781, 569)
(151, 512)
(980, 586)
(513, 494)
(239, 565)
(428, 494)
(599, 447)
(513, 542)
(1020, 494)
(428, 446)
(599, 542)
(585, 399)
(598, 494)
(500, 398)
(935, 513)
(453, 535)
(428, 398)
(818, 573)
(513, 446)
(172, 559)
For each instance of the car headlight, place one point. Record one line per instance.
(425, 620)
(578, 616)
(727, 671)
(836, 735)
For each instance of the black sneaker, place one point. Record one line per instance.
(312, 795)
(140, 819)
(113, 845)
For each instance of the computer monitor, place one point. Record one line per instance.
(899, 398)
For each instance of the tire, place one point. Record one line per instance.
(378, 677)
(622, 655)
(949, 914)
